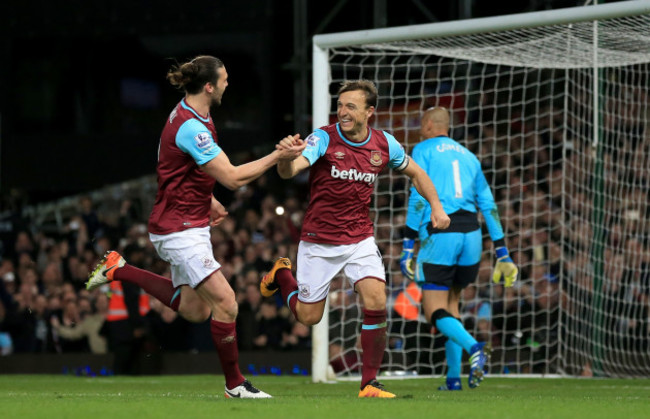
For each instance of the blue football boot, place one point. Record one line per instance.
(477, 364)
(452, 384)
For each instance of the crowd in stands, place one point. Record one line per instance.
(45, 308)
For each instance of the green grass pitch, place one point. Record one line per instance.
(201, 396)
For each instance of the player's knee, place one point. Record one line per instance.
(374, 298)
(204, 315)
(224, 304)
(375, 303)
(229, 308)
(309, 318)
(196, 314)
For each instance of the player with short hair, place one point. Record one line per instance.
(189, 162)
(345, 160)
(448, 260)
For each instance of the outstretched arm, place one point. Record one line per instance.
(233, 177)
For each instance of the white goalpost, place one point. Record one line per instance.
(556, 106)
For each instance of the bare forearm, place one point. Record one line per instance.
(233, 177)
(248, 172)
(286, 169)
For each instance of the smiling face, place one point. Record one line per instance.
(353, 113)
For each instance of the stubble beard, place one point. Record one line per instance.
(215, 103)
(355, 130)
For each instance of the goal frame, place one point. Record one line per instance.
(321, 80)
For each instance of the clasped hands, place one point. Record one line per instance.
(290, 147)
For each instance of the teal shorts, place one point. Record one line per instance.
(448, 259)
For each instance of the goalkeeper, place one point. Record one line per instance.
(448, 260)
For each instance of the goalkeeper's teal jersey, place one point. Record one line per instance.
(461, 185)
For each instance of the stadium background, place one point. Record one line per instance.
(83, 82)
(86, 95)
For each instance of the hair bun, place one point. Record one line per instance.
(189, 69)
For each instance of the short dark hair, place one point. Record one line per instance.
(193, 75)
(365, 86)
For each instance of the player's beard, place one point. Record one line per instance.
(215, 102)
(356, 128)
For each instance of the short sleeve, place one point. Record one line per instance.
(398, 159)
(317, 143)
(196, 140)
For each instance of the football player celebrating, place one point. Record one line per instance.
(337, 234)
(190, 161)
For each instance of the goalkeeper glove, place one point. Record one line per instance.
(506, 267)
(406, 258)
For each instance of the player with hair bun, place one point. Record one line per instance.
(190, 161)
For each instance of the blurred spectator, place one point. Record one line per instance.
(77, 235)
(88, 328)
(70, 318)
(6, 345)
(272, 328)
(125, 325)
(298, 338)
(247, 319)
(130, 214)
(89, 217)
(24, 320)
(8, 277)
(169, 331)
(24, 244)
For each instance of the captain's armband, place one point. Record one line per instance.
(405, 163)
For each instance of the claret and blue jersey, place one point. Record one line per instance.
(342, 178)
(194, 137)
(319, 140)
(188, 141)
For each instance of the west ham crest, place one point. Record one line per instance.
(207, 261)
(304, 291)
(375, 158)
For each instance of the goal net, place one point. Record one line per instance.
(555, 106)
